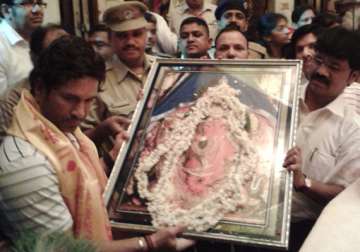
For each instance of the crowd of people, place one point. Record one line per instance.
(66, 103)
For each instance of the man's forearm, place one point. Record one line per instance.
(323, 192)
(126, 245)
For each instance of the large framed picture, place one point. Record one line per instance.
(207, 143)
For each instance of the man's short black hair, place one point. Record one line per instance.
(37, 39)
(299, 33)
(229, 28)
(99, 28)
(150, 18)
(195, 20)
(67, 58)
(341, 44)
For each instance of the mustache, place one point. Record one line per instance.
(320, 78)
(75, 118)
(190, 44)
(234, 23)
(128, 47)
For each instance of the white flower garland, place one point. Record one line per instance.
(229, 197)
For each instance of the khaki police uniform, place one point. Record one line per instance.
(257, 51)
(122, 87)
(119, 94)
(121, 91)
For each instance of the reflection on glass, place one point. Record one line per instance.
(206, 150)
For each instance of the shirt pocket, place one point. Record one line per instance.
(123, 108)
(320, 164)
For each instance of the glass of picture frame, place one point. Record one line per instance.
(205, 150)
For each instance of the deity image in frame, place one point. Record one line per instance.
(206, 150)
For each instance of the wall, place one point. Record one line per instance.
(104, 4)
(52, 12)
(284, 7)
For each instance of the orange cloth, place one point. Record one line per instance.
(81, 177)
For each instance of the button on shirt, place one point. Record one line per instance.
(120, 93)
(15, 62)
(182, 12)
(329, 138)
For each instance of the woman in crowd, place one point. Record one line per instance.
(274, 33)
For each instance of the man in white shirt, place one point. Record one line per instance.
(167, 42)
(197, 8)
(155, 38)
(18, 19)
(327, 158)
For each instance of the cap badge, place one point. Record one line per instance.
(128, 14)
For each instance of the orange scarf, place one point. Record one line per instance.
(81, 177)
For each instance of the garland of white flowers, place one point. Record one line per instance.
(177, 140)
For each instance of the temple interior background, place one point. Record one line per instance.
(77, 16)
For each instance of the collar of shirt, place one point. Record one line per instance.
(10, 34)
(336, 107)
(109, 64)
(122, 71)
(184, 8)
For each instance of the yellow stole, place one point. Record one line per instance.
(81, 177)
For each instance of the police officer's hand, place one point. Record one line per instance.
(115, 125)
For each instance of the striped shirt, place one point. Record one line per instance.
(30, 199)
(8, 101)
